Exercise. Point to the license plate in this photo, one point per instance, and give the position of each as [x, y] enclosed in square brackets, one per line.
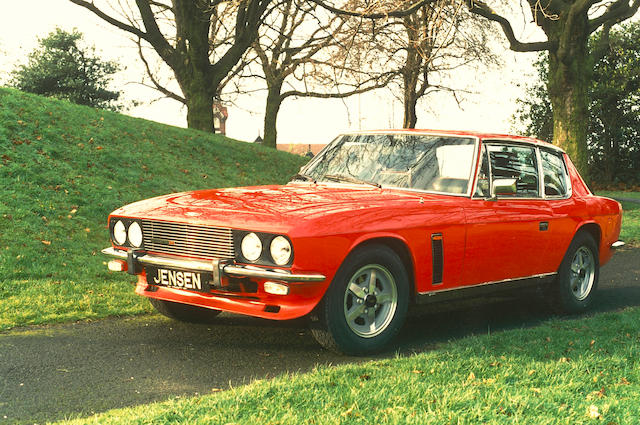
[180, 279]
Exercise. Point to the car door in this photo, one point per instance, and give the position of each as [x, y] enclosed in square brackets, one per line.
[558, 192]
[507, 232]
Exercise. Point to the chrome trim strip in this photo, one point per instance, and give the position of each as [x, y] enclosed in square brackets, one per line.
[530, 142]
[541, 190]
[535, 276]
[237, 270]
[617, 244]
[155, 260]
[212, 266]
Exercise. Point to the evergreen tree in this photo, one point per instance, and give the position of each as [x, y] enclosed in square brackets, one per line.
[60, 67]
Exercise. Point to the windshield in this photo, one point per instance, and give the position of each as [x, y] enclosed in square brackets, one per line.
[427, 162]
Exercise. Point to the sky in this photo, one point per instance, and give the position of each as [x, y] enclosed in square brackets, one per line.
[489, 107]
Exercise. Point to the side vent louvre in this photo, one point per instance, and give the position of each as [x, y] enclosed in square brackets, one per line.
[437, 256]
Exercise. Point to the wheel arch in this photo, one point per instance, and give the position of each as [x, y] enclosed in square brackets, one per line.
[593, 229]
[401, 249]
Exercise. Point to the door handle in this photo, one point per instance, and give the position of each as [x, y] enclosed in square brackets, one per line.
[544, 226]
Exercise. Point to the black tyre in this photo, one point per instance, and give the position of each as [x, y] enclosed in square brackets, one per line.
[578, 275]
[366, 304]
[184, 312]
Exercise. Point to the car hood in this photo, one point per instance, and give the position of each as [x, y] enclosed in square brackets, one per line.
[269, 208]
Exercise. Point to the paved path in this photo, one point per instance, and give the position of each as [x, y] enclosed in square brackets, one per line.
[60, 371]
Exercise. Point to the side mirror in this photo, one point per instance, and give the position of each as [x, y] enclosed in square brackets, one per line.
[504, 187]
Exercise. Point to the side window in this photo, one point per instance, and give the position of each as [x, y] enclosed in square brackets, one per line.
[555, 174]
[517, 165]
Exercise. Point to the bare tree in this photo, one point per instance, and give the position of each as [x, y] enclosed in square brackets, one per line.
[421, 48]
[438, 39]
[200, 40]
[304, 51]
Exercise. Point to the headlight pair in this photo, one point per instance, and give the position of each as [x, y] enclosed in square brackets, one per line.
[133, 234]
[279, 248]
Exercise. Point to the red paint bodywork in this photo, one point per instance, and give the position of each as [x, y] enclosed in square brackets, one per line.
[484, 241]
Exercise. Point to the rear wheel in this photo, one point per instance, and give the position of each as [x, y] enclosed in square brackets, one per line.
[578, 275]
[366, 304]
[184, 312]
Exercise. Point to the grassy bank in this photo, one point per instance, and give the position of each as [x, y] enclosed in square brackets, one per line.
[63, 168]
[580, 371]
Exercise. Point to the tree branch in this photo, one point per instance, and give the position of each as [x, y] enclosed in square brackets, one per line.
[397, 13]
[156, 84]
[382, 82]
[90, 6]
[154, 36]
[481, 8]
[616, 12]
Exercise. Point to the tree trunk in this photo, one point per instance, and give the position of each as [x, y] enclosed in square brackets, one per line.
[410, 96]
[271, 114]
[200, 110]
[569, 76]
[410, 75]
[410, 117]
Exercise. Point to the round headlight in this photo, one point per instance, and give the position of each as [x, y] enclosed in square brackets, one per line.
[135, 234]
[251, 247]
[120, 233]
[280, 250]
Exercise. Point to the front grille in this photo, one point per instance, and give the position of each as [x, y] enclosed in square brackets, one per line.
[187, 239]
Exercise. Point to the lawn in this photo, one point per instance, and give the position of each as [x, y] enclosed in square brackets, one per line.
[64, 168]
[630, 232]
[619, 194]
[581, 371]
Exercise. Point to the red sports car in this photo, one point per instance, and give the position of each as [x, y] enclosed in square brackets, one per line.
[375, 222]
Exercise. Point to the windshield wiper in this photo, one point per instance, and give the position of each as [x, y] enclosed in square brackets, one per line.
[304, 177]
[349, 179]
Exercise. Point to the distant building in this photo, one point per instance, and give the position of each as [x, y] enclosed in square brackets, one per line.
[220, 115]
[258, 140]
[309, 150]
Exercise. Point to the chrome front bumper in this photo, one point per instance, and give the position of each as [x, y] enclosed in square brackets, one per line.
[217, 268]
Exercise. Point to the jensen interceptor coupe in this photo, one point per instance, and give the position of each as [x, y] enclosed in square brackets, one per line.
[375, 222]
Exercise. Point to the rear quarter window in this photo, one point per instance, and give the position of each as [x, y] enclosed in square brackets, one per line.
[555, 174]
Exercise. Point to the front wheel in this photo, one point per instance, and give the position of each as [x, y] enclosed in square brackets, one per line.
[578, 275]
[366, 304]
[184, 312]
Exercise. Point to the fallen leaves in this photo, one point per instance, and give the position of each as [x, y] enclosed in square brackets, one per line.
[593, 412]
[46, 242]
[597, 394]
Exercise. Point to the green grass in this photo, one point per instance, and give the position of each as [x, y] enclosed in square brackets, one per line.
[64, 168]
[618, 194]
[583, 371]
[630, 231]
